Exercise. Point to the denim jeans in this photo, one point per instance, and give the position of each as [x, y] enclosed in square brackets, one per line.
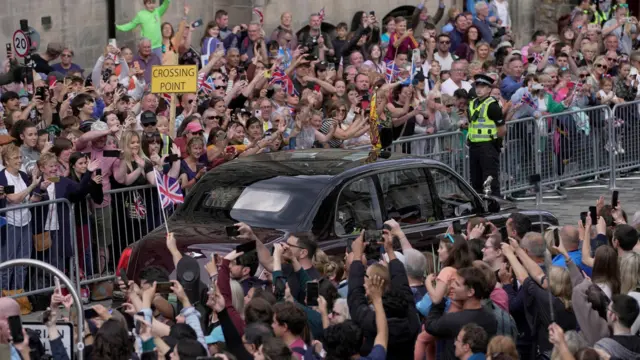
[16, 244]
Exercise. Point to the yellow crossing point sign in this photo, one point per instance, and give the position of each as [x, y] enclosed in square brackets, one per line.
[174, 79]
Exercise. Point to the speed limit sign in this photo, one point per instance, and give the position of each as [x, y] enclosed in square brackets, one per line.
[20, 43]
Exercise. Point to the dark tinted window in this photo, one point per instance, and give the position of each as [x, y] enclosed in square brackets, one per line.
[406, 195]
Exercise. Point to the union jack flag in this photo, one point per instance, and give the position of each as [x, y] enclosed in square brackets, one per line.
[321, 15]
[391, 72]
[528, 100]
[168, 189]
[280, 77]
[167, 98]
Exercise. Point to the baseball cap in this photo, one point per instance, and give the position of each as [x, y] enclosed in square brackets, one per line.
[194, 126]
[148, 117]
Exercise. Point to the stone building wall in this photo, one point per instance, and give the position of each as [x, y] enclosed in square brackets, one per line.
[83, 23]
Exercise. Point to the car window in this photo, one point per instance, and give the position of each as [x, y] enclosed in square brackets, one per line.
[406, 196]
[356, 208]
[455, 198]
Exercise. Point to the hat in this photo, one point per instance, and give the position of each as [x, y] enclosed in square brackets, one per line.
[482, 79]
[6, 139]
[148, 117]
[321, 66]
[9, 95]
[216, 336]
[194, 126]
[516, 52]
[58, 75]
[55, 48]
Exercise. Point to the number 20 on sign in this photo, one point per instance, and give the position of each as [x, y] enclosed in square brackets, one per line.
[178, 79]
[20, 43]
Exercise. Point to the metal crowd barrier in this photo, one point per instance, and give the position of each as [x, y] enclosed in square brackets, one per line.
[447, 147]
[574, 149]
[85, 237]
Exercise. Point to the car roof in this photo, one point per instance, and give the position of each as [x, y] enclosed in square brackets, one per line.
[321, 163]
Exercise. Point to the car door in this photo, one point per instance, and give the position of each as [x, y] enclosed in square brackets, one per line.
[406, 197]
[454, 199]
[357, 209]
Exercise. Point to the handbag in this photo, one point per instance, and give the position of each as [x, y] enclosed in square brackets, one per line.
[42, 241]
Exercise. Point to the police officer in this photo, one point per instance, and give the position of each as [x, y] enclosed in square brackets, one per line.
[486, 130]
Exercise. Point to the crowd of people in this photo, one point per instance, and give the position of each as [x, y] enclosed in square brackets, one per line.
[94, 139]
[570, 292]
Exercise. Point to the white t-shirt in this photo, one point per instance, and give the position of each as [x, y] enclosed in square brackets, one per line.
[18, 218]
[445, 62]
[503, 12]
[449, 87]
[52, 217]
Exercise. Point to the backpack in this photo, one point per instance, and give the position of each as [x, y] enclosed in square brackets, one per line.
[506, 324]
[307, 353]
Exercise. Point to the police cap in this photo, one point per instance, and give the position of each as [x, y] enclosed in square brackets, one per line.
[482, 79]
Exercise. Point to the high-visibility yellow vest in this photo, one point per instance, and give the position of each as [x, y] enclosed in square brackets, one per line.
[601, 17]
[481, 128]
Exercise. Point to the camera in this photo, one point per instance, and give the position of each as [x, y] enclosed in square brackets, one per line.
[311, 44]
[106, 75]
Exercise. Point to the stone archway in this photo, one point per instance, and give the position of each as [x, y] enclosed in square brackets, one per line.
[324, 27]
[405, 11]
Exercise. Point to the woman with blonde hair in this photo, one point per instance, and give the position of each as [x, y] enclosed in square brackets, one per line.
[140, 208]
[630, 273]
[502, 345]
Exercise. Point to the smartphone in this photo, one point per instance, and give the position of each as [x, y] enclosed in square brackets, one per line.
[280, 287]
[196, 23]
[614, 199]
[313, 289]
[9, 49]
[457, 228]
[232, 230]
[9, 189]
[164, 287]
[41, 92]
[365, 97]
[57, 282]
[372, 13]
[556, 237]
[373, 236]
[331, 66]
[15, 327]
[90, 314]
[98, 171]
[594, 214]
[111, 153]
[583, 217]
[112, 42]
[243, 76]
[416, 55]
[171, 158]
[246, 247]
[123, 277]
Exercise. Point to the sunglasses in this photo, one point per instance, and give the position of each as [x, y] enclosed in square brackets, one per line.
[200, 133]
[149, 124]
[612, 59]
[601, 66]
[582, 76]
[445, 42]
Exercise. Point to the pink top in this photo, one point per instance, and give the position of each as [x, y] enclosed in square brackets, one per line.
[298, 344]
[500, 298]
[109, 166]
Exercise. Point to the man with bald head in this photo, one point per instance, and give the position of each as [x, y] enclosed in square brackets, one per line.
[570, 238]
[9, 307]
[146, 58]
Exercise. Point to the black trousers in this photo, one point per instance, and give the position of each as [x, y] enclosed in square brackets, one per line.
[484, 161]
